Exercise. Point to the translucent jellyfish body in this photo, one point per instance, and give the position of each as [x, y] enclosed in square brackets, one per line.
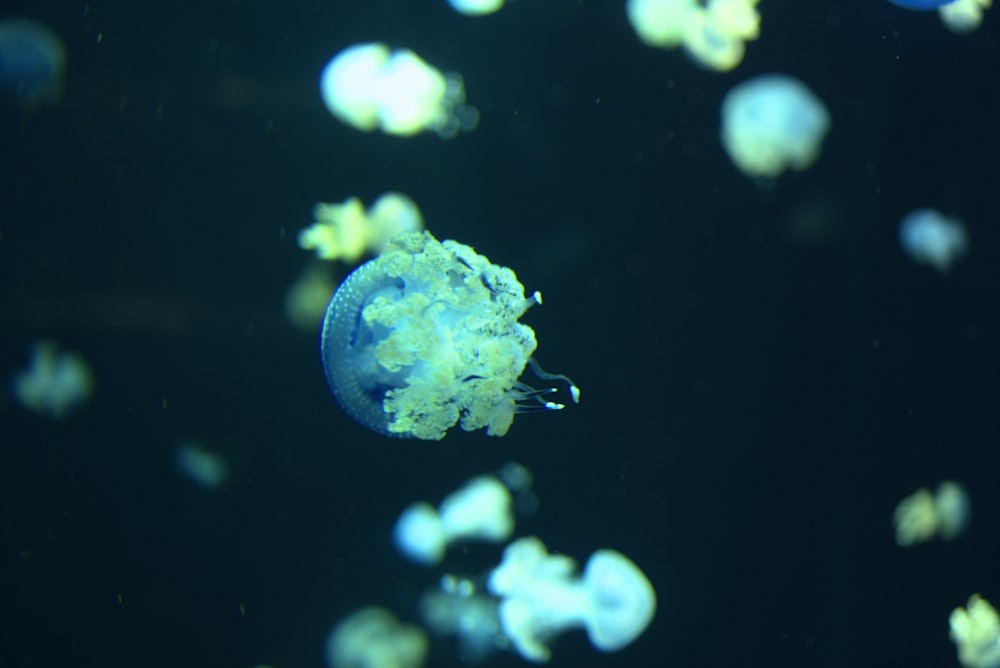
[479, 511]
[372, 638]
[54, 384]
[772, 123]
[346, 231]
[963, 16]
[713, 33]
[476, 7]
[975, 630]
[32, 59]
[369, 87]
[426, 336]
[929, 237]
[540, 598]
[923, 516]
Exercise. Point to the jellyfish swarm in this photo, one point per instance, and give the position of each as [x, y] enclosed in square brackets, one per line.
[771, 123]
[368, 87]
[426, 336]
[32, 59]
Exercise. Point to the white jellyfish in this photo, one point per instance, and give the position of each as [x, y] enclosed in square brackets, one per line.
[369, 87]
[32, 60]
[481, 510]
[975, 629]
[426, 336]
[929, 237]
[372, 638]
[772, 123]
[55, 384]
[347, 232]
[613, 600]
[714, 33]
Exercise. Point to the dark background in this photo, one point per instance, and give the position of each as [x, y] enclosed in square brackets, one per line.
[755, 400]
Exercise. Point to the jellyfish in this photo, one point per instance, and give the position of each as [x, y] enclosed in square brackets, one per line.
[929, 237]
[713, 34]
[372, 638]
[367, 86]
[32, 59]
[457, 607]
[975, 629]
[426, 336]
[476, 7]
[613, 600]
[481, 510]
[963, 16]
[922, 516]
[55, 384]
[203, 467]
[921, 5]
[347, 232]
[772, 123]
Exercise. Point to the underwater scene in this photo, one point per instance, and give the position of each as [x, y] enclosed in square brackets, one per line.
[420, 333]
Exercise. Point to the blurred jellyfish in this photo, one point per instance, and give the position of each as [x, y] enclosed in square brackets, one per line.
[307, 297]
[372, 638]
[426, 336]
[772, 123]
[55, 384]
[481, 510]
[920, 5]
[923, 516]
[32, 59]
[368, 87]
[476, 7]
[613, 600]
[929, 237]
[347, 232]
[714, 33]
[963, 16]
[206, 469]
[975, 629]
[457, 608]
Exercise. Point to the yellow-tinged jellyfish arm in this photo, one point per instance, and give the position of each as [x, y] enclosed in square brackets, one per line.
[426, 336]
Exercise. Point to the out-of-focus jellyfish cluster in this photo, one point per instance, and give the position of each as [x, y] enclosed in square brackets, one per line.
[929, 237]
[480, 511]
[713, 33]
[530, 597]
[772, 123]
[347, 232]
[923, 516]
[32, 62]
[426, 336]
[369, 87]
[55, 383]
[959, 16]
[975, 630]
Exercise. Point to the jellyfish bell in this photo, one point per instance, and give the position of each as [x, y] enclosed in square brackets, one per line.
[32, 60]
[426, 336]
[921, 5]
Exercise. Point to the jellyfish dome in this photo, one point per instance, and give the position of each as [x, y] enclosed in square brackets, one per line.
[921, 5]
[772, 123]
[32, 59]
[426, 336]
